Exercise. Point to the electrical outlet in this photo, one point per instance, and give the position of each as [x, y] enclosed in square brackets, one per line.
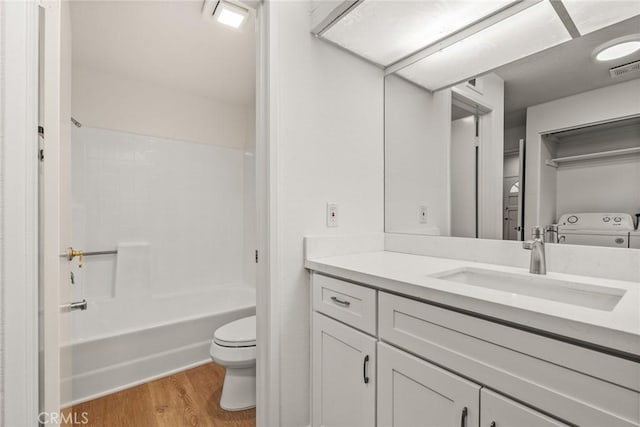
[332, 214]
[422, 214]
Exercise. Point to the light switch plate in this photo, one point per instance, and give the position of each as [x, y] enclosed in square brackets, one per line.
[422, 214]
[332, 214]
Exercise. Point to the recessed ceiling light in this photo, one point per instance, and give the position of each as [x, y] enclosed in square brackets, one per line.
[230, 14]
[617, 48]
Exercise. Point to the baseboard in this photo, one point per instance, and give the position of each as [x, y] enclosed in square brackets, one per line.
[115, 378]
[108, 365]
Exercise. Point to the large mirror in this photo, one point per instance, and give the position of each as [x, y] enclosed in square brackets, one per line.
[487, 138]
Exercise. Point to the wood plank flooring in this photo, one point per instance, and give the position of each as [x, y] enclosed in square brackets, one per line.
[189, 398]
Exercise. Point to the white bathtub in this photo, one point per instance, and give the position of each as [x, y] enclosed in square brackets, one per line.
[121, 344]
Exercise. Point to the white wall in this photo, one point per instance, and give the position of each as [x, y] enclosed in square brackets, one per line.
[327, 133]
[177, 205]
[511, 165]
[601, 185]
[512, 137]
[417, 136]
[2, 208]
[463, 177]
[109, 101]
[598, 105]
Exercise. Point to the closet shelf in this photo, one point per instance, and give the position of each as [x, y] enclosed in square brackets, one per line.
[613, 153]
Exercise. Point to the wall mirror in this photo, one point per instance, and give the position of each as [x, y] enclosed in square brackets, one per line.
[503, 115]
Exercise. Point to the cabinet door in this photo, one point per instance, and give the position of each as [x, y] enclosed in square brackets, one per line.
[412, 392]
[498, 411]
[344, 367]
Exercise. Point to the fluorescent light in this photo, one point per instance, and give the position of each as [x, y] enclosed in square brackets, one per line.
[530, 31]
[386, 31]
[618, 50]
[230, 14]
[590, 16]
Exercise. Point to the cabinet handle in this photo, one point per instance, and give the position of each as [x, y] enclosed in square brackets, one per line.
[364, 369]
[340, 302]
[493, 424]
[463, 418]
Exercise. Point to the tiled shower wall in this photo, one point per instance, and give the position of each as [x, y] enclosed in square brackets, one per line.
[174, 209]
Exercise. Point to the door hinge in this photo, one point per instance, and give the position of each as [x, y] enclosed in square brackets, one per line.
[256, 256]
[40, 143]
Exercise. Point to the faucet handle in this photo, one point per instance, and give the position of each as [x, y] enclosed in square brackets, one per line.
[537, 232]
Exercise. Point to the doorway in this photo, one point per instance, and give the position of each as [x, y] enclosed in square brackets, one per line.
[139, 176]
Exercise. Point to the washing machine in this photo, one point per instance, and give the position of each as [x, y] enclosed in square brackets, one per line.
[595, 229]
[634, 239]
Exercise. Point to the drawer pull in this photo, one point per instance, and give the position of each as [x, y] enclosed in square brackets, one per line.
[364, 369]
[340, 302]
[463, 418]
[493, 424]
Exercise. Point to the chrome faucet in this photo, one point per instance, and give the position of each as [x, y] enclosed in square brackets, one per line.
[536, 246]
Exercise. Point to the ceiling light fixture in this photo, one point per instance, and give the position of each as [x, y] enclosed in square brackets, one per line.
[387, 31]
[590, 16]
[230, 14]
[527, 32]
[618, 48]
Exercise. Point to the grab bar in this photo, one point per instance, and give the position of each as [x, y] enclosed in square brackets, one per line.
[72, 253]
[115, 251]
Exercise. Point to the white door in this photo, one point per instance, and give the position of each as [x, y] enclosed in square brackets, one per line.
[463, 178]
[412, 392]
[498, 411]
[511, 191]
[55, 202]
[344, 368]
[522, 157]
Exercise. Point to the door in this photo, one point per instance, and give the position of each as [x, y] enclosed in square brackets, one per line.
[464, 173]
[343, 369]
[511, 193]
[498, 411]
[522, 155]
[54, 206]
[413, 392]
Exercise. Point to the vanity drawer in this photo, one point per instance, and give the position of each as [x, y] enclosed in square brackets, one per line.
[575, 384]
[352, 304]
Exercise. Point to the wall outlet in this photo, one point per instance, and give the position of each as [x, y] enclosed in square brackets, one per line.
[422, 214]
[332, 214]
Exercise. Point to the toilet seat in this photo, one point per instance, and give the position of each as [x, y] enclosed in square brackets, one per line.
[239, 333]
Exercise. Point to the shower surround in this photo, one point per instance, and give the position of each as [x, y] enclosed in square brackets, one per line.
[180, 215]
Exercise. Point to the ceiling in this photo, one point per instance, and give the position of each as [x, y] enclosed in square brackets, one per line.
[563, 70]
[168, 43]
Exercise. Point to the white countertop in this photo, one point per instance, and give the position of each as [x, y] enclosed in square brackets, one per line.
[410, 275]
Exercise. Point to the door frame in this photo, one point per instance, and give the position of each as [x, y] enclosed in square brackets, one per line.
[19, 215]
[267, 306]
[19, 205]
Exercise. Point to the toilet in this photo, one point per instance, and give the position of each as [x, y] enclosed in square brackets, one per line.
[234, 347]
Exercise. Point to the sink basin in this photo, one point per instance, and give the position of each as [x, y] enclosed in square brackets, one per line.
[580, 294]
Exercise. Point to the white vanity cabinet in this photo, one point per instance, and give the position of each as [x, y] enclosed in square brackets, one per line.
[437, 366]
[412, 392]
[344, 381]
[498, 411]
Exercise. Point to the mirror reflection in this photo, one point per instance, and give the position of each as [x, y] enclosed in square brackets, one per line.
[549, 139]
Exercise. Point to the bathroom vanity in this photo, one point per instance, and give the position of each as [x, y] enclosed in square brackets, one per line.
[408, 340]
[440, 322]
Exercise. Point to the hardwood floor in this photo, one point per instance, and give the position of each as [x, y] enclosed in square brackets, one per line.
[189, 398]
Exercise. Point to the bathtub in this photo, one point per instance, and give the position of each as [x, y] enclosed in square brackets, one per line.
[122, 343]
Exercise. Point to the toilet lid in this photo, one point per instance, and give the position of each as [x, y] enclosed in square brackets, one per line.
[239, 333]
